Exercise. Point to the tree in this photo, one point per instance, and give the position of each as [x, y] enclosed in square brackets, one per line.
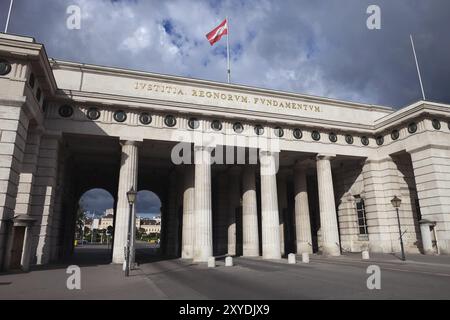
[79, 224]
[140, 233]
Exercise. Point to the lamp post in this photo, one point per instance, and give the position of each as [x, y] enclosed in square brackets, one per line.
[396, 203]
[131, 196]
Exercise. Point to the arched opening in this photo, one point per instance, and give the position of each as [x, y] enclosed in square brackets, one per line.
[148, 224]
[94, 227]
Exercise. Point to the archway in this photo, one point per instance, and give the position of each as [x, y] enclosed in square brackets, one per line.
[148, 224]
[94, 227]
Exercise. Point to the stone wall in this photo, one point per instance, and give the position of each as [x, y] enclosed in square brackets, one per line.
[43, 198]
[348, 183]
[432, 172]
[13, 135]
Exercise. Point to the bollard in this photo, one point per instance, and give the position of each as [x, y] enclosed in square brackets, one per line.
[291, 258]
[365, 255]
[305, 257]
[211, 262]
[228, 262]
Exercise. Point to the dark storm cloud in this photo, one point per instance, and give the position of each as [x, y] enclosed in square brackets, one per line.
[312, 47]
[147, 203]
[97, 200]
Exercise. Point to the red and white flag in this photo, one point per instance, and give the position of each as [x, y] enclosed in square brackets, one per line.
[218, 32]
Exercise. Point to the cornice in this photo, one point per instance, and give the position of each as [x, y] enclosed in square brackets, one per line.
[200, 109]
[428, 146]
[402, 116]
[26, 48]
[415, 110]
[141, 75]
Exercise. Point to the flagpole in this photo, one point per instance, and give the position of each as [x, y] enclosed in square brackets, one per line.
[228, 51]
[417, 66]
[9, 15]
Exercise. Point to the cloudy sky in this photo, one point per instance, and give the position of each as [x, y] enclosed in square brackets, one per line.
[98, 200]
[318, 47]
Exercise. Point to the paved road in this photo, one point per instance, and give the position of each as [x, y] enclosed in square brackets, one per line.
[324, 278]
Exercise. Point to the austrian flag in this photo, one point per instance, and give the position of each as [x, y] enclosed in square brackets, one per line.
[218, 32]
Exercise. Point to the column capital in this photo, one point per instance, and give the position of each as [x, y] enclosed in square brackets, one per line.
[267, 152]
[130, 142]
[325, 156]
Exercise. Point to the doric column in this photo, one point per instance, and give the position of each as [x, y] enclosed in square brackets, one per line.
[328, 218]
[302, 219]
[270, 223]
[172, 216]
[282, 207]
[221, 215]
[203, 246]
[234, 198]
[250, 238]
[127, 180]
[188, 227]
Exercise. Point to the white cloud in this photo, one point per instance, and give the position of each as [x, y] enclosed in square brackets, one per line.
[140, 40]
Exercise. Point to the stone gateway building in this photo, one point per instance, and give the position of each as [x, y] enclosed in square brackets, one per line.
[239, 170]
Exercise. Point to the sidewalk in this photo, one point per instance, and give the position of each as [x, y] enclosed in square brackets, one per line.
[393, 257]
[414, 262]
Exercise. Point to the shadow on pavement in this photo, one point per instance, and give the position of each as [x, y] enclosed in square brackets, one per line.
[97, 255]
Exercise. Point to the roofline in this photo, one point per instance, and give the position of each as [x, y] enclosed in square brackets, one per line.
[195, 81]
[39, 54]
[413, 110]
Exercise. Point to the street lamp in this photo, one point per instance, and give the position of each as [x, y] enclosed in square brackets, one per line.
[131, 196]
[396, 204]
